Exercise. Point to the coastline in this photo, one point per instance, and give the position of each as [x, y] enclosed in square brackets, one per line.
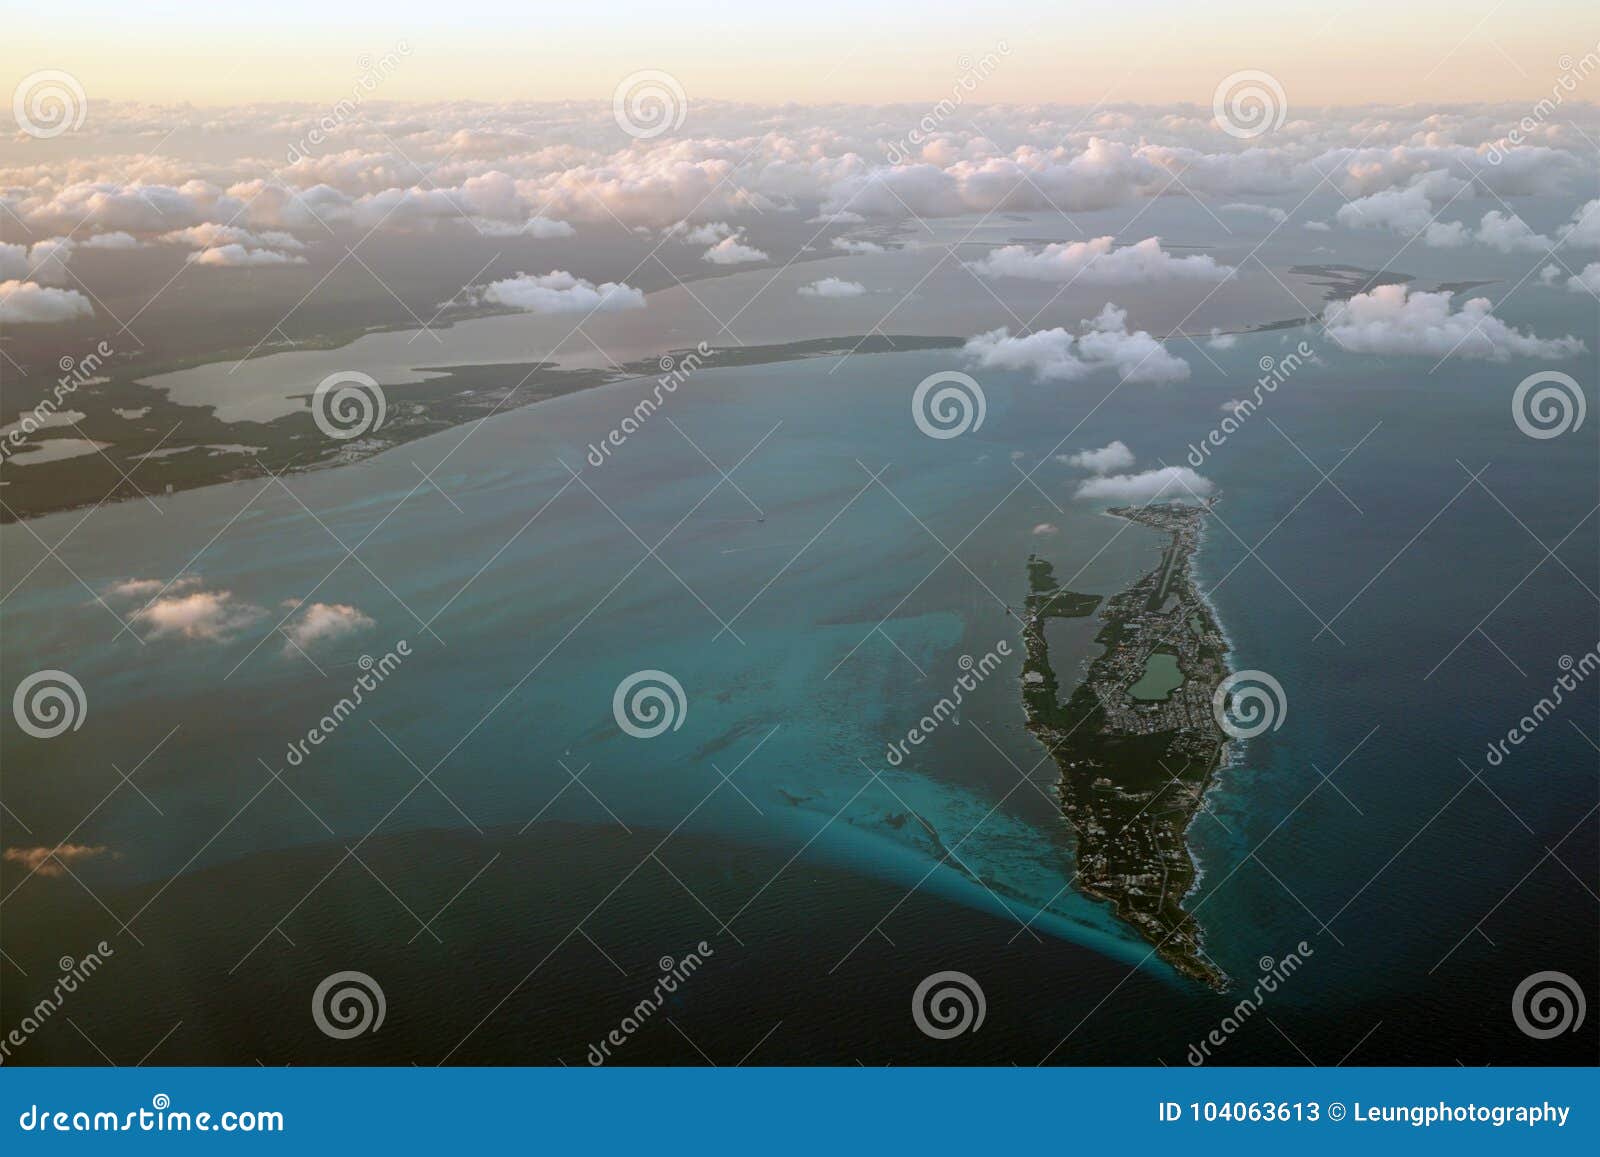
[1120, 755]
[444, 398]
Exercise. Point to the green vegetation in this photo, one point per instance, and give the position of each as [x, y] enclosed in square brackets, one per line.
[1134, 767]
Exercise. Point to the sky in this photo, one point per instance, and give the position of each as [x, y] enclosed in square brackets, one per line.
[1145, 51]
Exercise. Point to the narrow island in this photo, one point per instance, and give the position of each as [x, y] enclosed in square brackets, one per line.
[1136, 742]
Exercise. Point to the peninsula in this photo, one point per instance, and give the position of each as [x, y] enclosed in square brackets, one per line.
[1136, 742]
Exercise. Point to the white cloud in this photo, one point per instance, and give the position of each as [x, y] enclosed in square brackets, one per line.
[1222, 341]
[1588, 280]
[210, 616]
[1391, 320]
[561, 292]
[138, 588]
[1112, 456]
[320, 622]
[1405, 211]
[27, 302]
[1099, 262]
[208, 234]
[1272, 214]
[708, 233]
[854, 245]
[832, 287]
[1167, 484]
[1550, 274]
[1046, 530]
[1585, 227]
[731, 251]
[1318, 226]
[1508, 233]
[238, 257]
[539, 228]
[1054, 355]
[117, 240]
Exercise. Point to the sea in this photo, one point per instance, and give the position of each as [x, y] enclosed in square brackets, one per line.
[811, 572]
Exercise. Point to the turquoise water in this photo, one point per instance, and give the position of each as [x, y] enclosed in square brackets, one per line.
[526, 598]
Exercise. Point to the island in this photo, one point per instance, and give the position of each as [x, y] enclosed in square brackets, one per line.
[1136, 742]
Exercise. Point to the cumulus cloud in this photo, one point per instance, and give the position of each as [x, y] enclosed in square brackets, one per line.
[1221, 341]
[53, 862]
[832, 287]
[238, 257]
[708, 233]
[117, 240]
[1585, 227]
[1392, 320]
[1272, 214]
[1587, 281]
[1407, 210]
[732, 251]
[539, 228]
[206, 235]
[1046, 530]
[1054, 355]
[560, 292]
[209, 616]
[1113, 456]
[320, 622]
[1509, 233]
[853, 245]
[29, 303]
[1167, 484]
[143, 588]
[1099, 262]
